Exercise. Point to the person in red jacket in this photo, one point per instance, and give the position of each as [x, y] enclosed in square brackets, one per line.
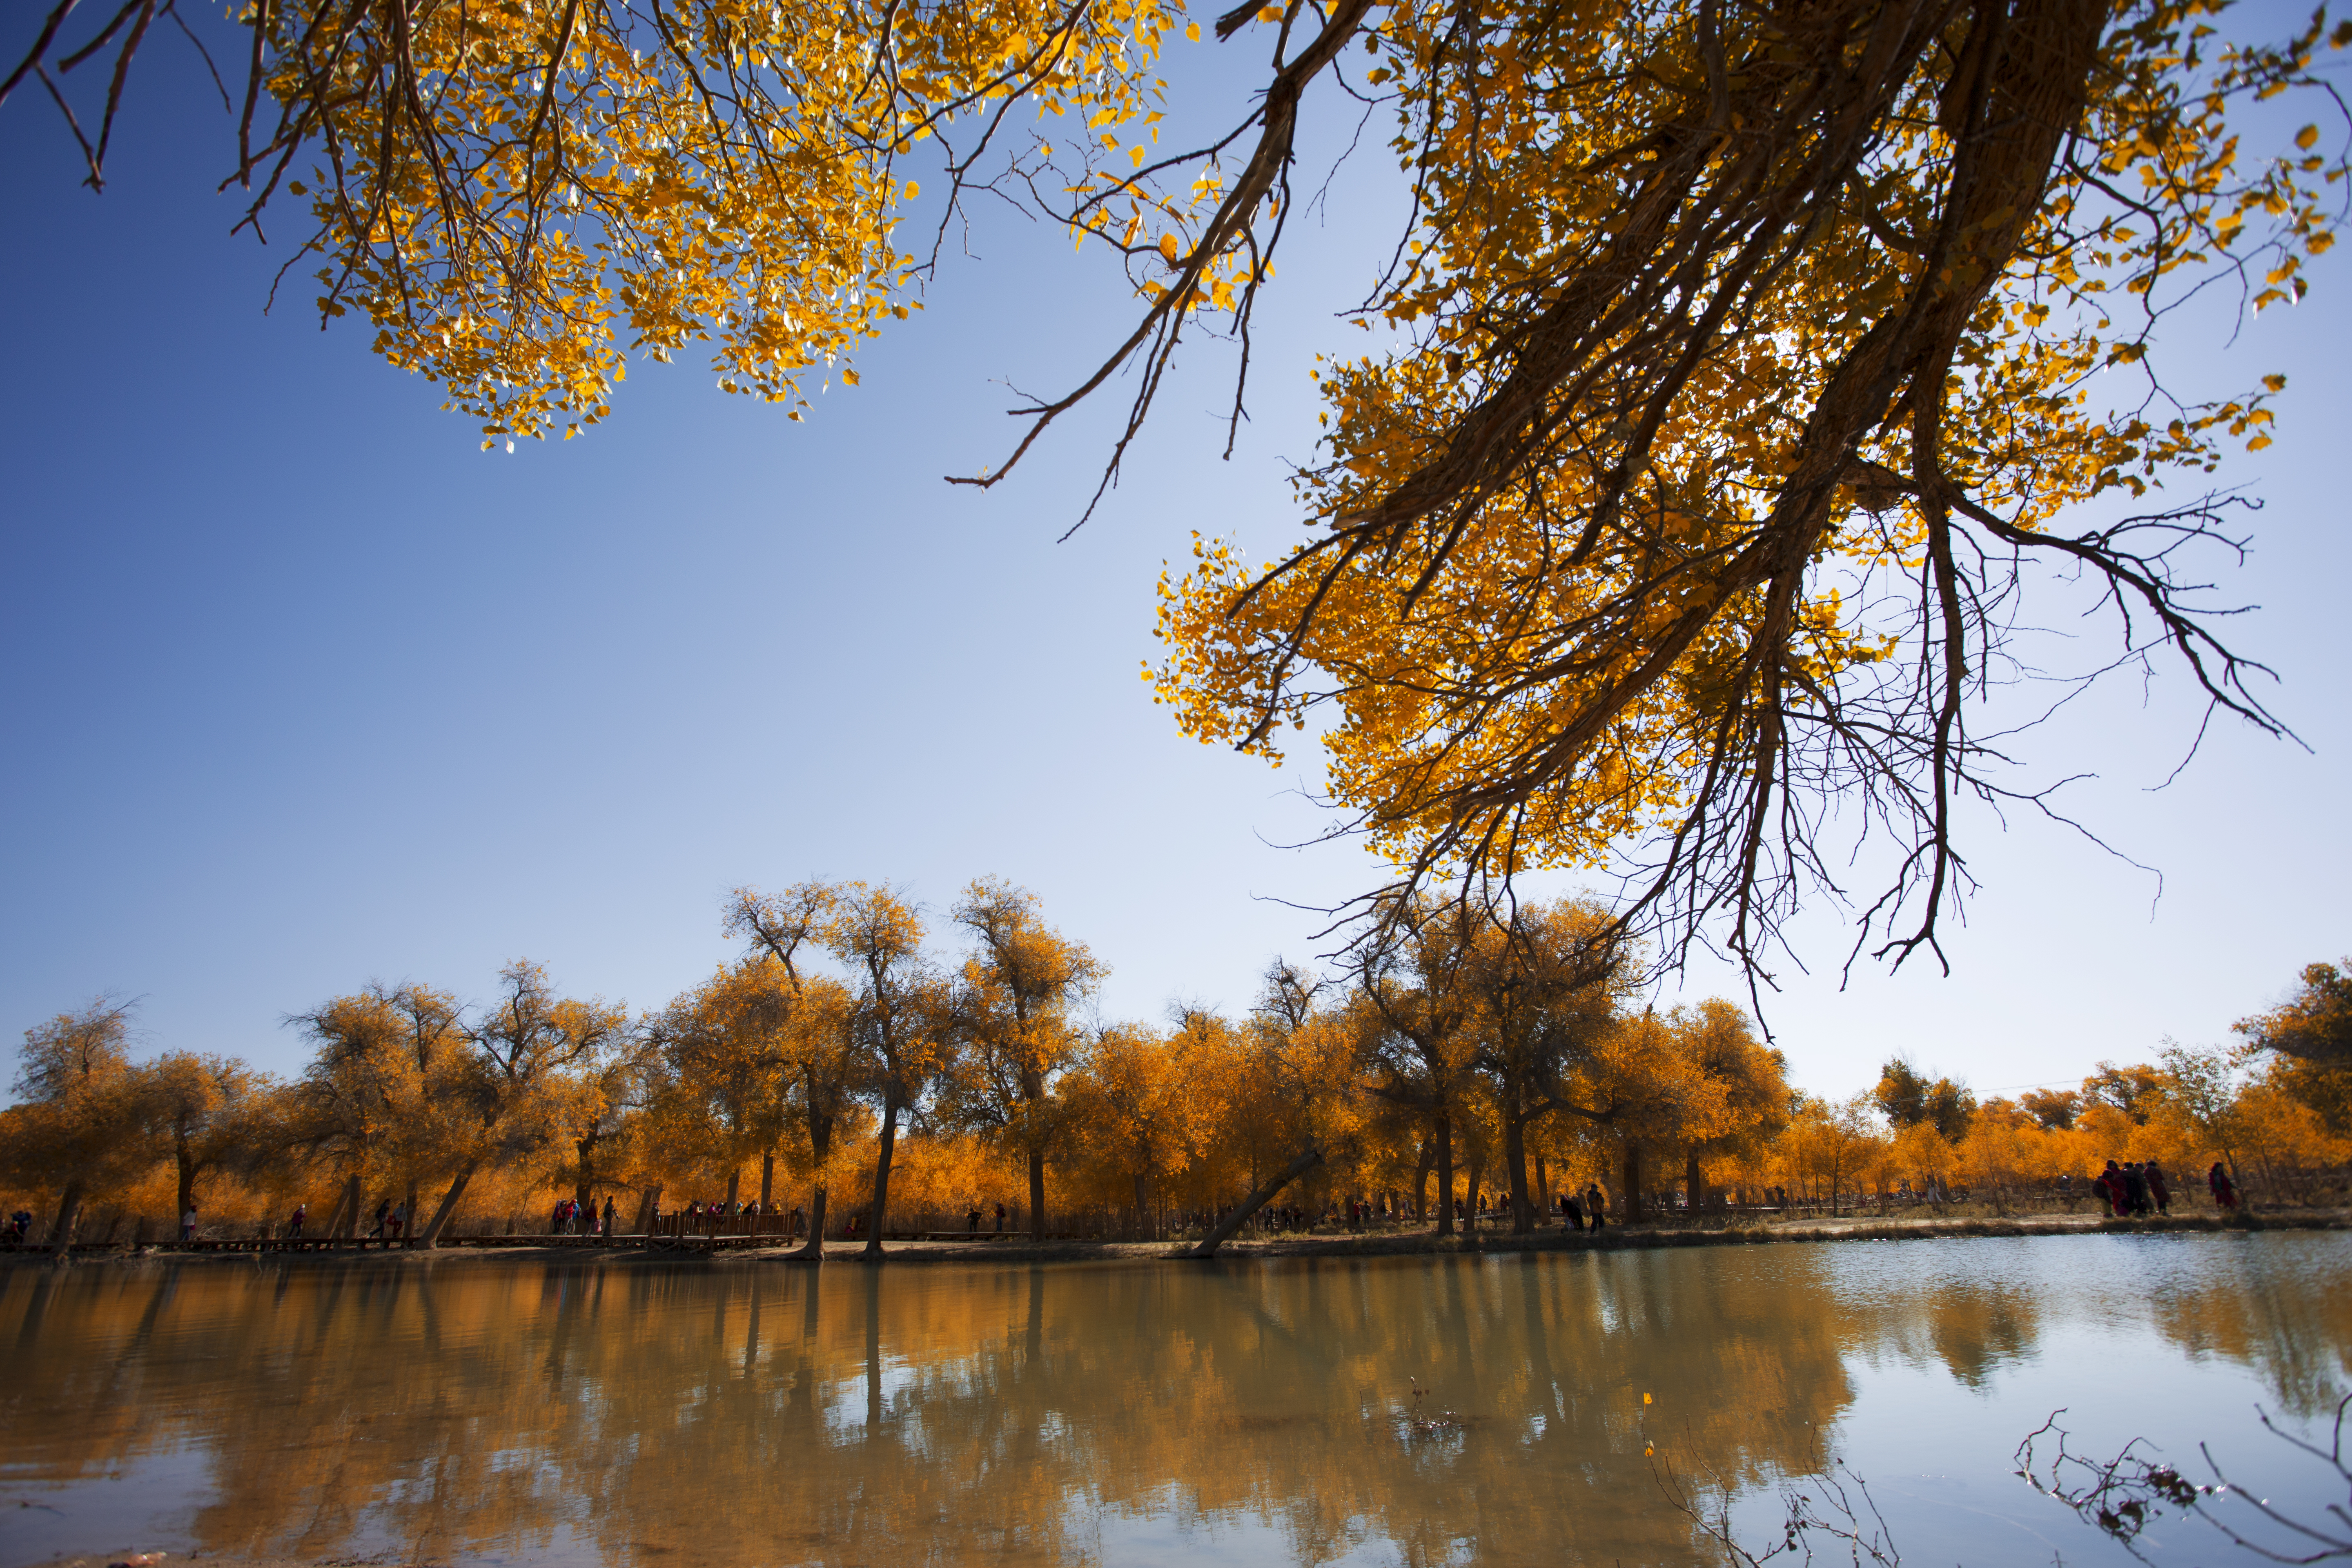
[2225, 1192]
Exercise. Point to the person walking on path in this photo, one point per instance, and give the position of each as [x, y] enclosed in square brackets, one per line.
[608, 1216]
[999, 1219]
[2225, 1192]
[1571, 1211]
[188, 1224]
[301, 1217]
[2110, 1187]
[1595, 1204]
[2158, 1189]
[2134, 1188]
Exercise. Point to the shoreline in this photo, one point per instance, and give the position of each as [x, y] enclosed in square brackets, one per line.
[632, 1253]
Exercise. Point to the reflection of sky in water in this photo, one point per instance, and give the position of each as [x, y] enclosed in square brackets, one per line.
[671, 1417]
[851, 1404]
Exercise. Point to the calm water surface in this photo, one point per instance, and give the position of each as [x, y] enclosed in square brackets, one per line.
[675, 1415]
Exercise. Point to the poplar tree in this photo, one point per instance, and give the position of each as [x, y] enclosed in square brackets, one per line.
[1020, 987]
[809, 1016]
[76, 1130]
[904, 1019]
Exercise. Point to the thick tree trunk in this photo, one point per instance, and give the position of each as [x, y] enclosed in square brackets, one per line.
[408, 1215]
[813, 1247]
[1142, 1212]
[1514, 1165]
[350, 1208]
[448, 1208]
[734, 1185]
[1470, 1195]
[1694, 1196]
[820, 1150]
[1631, 1214]
[881, 1209]
[187, 1184]
[1444, 1138]
[69, 1215]
[1037, 1194]
[1543, 1190]
[1421, 1180]
[645, 1203]
[767, 1183]
[1257, 1200]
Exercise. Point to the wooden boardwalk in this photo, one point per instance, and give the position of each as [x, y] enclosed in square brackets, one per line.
[690, 1242]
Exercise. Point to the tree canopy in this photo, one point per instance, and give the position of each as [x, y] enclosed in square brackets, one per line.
[844, 1078]
[2313, 1026]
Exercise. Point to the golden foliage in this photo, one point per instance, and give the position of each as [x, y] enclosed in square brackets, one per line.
[517, 194]
[1511, 1061]
[1739, 347]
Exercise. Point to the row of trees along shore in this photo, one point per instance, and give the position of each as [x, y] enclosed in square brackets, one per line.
[843, 1065]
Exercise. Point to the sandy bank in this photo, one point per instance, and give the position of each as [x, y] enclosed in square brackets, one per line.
[229, 1559]
[628, 1252]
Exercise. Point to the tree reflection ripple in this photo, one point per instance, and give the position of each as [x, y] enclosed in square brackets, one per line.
[677, 1414]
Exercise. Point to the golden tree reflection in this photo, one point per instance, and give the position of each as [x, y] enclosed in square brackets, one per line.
[675, 1414]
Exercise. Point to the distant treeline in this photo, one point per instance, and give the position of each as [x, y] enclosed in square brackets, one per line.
[1459, 1061]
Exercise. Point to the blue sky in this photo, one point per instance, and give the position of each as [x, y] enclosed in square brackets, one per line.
[298, 688]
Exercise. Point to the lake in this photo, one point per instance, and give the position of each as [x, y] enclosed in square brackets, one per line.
[676, 1415]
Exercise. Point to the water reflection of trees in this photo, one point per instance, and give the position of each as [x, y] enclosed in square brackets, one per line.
[2288, 1315]
[674, 1415]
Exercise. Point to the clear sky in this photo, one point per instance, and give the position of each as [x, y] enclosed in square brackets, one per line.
[297, 688]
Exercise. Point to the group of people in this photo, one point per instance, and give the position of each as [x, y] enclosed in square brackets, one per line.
[1587, 1213]
[391, 1222]
[2140, 1187]
[573, 1218]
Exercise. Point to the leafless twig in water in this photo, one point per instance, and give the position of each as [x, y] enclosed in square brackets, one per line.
[1444, 1421]
[2127, 1493]
[1820, 1509]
